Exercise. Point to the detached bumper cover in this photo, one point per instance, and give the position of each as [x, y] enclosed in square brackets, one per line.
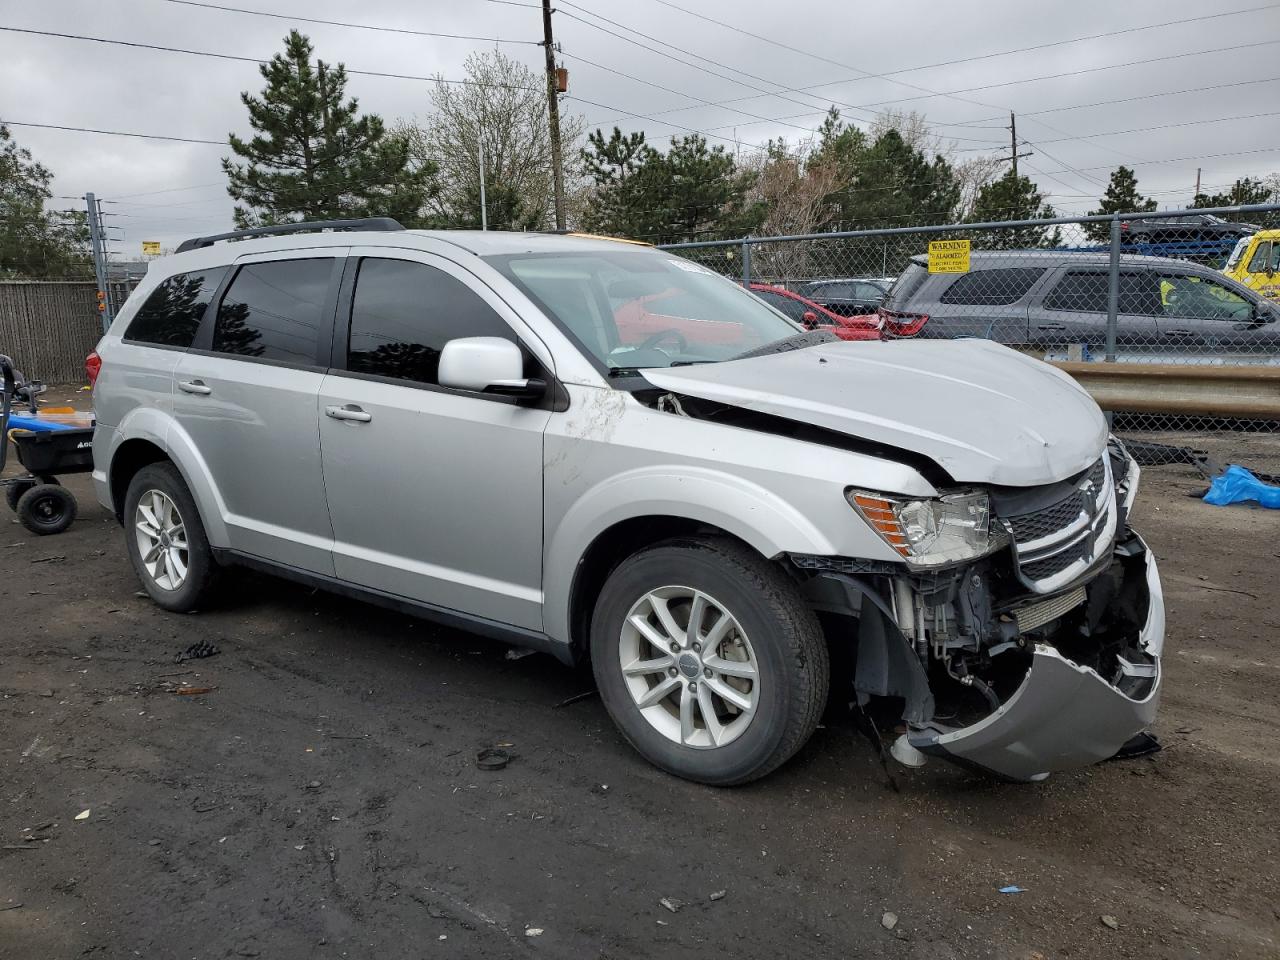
[1063, 715]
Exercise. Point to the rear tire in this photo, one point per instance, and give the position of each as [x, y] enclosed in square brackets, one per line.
[13, 492]
[166, 540]
[762, 680]
[46, 508]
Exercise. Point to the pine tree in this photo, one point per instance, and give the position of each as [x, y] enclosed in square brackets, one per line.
[1122, 196]
[691, 192]
[313, 156]
[1243, 191]
[1013, 198]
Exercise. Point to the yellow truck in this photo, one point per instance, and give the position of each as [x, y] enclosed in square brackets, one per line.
[1255, 262]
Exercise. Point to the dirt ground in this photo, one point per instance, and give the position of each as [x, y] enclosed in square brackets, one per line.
[322, 800]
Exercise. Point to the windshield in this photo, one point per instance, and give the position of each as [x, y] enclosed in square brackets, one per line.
[634, 309]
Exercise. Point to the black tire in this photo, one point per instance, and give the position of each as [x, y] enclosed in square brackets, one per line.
[785, 636]
[202, 572]
[14, 490]
[46, 509]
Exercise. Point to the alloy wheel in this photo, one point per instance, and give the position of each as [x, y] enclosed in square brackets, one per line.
[689, 667]
[162, 540]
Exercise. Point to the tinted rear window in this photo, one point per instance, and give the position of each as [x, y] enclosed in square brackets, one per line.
[273, 310]
[991, 288]
[907, 284]
[171, 315]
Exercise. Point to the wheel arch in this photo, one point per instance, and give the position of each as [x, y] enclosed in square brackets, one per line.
[151, 437]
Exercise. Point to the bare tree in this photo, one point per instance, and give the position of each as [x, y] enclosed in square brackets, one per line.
[795, 190]
[503, 106]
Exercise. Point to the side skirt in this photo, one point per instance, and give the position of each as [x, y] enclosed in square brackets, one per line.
[493, 629]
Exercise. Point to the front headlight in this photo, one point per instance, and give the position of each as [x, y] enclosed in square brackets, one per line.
[930, 533]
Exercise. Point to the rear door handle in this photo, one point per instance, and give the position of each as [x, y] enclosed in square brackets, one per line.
[1052, 326]
[197, 387]
[1181, 333]
[348, 412]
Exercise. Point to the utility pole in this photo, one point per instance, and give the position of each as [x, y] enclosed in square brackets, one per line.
[484, 208]
[1197, 193]
[553, 112]
[98, 247]
[1013, 142]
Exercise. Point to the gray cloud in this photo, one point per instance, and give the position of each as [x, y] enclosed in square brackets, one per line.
[75, 83]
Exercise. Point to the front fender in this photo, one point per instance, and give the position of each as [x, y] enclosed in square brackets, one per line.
[746, 510]
[161, 429]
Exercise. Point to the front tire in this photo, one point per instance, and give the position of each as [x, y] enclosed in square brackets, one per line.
[166, 539]
[708, 660]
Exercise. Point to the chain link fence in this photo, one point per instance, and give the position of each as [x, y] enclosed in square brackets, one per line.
[1196, 288]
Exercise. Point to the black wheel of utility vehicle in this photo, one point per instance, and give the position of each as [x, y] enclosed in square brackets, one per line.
[14, 490]
[166, 539]
[708, 660]
[46, 508]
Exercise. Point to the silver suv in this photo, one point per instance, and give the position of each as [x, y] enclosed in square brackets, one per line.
[598, 449]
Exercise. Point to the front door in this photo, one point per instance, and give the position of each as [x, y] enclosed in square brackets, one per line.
[435, 494]
[246, 395]
[1208, 319]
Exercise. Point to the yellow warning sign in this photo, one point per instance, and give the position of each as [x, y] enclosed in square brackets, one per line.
[150, 248]
[948, 256]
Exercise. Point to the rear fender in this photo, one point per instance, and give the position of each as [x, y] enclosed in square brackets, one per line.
[160, 429]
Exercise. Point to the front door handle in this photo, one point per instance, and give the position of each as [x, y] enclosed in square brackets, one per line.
[1052, 326]
[348, 412]
[197, 387]
[1180, 333]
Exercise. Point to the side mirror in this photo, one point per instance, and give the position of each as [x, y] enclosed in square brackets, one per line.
[487, 365]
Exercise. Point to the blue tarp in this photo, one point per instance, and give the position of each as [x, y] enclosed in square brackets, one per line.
[1236, 485]
[20, 421]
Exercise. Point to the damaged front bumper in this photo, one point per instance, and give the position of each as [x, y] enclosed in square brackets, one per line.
[1063, 715]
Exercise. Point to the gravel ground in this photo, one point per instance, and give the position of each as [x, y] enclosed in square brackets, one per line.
[322, 799]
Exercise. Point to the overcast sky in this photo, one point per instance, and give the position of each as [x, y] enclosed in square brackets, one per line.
[839, 48]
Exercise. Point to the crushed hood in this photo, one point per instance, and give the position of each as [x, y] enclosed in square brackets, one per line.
[983, 412]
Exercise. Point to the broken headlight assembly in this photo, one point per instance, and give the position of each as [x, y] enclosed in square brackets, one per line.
[930, 533]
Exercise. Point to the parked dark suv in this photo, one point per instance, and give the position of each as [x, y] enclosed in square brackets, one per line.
[1055, 302]
[847, 298]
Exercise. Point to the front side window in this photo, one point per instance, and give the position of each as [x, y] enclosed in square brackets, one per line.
[171, 315]
[992, 288]
[644, 308]
[403, 313]
[274, 310]
[1191, 297]
[1264, 258]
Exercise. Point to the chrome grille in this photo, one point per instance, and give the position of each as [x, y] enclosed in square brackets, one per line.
[1058, 543]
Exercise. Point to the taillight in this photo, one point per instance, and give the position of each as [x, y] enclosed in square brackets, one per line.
[898, 324]
[93, 366]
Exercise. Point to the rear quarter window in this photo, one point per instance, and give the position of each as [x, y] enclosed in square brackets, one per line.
[992, 288]
[907, 284]
[171, 315]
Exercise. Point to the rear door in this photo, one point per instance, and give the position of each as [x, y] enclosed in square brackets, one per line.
[435, 493]
[246, 396]
[988, 303]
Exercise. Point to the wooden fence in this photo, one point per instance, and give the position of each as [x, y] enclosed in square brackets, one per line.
[48, 327]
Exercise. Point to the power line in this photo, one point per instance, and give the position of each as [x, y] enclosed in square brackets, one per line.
[113, 133]
[353, 26]
[254, 60]
[688, 63]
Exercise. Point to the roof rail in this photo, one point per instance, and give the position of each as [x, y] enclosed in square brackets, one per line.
[305, 226]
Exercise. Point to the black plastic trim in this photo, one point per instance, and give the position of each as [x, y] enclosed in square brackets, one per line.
[371, 224]
[493, 629]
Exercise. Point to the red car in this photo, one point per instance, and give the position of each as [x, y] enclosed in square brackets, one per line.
[815, 316]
